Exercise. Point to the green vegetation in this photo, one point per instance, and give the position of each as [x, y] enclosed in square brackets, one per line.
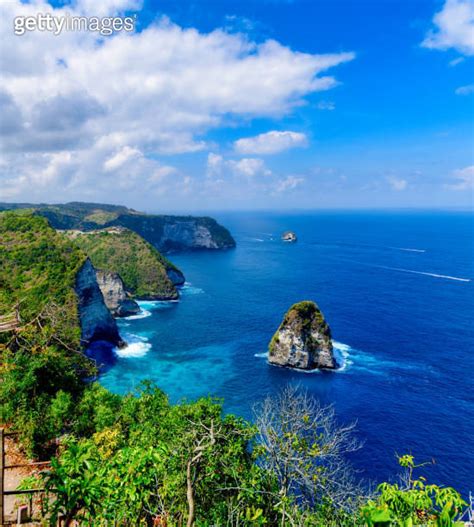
[140, 265]
[138, 460]
[41, 358]
[37, 274]
[91, 216]
[301, 316]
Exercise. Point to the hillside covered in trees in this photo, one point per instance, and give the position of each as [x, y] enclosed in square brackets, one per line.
[145, 272]
[165, 232]
[139, 460]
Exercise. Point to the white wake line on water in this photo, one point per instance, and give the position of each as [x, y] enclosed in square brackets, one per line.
[411, 271]
[408, 249]
[368, 246]
[435, 275]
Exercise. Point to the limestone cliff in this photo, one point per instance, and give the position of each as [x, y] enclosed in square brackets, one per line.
[303, 340]
[164, 232]
[177, 233]
[144, 271]
[96, 321]
[115, 296]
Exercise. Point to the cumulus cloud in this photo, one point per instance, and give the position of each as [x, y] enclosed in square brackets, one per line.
[116, 105]
[454, 28]
[106, 7]
[270, 142]
[465, 90]
[288, 183]
[117, 160]
[464, 179]
[397, 184]
[326, 105]
[248, 166]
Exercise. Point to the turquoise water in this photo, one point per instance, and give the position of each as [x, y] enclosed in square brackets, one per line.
[397, 291]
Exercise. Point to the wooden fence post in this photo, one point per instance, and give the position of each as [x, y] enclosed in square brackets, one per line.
[2, 473]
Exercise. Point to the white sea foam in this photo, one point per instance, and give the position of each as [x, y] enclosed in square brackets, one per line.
[137, 346]
[144, 313]
[189, 289]
[341, 353]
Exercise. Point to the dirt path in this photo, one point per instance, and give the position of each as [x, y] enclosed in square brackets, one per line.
[12, 479]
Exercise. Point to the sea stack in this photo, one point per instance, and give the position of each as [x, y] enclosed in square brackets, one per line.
[289, 236]
[303, 340]
[115, 296]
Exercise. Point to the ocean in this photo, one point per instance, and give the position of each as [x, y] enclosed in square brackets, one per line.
[397, 291]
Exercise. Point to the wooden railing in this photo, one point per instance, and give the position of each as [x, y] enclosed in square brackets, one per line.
[4, 467]
[10, 322]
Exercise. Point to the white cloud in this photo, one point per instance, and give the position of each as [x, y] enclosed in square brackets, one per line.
[270, 142]
[106, 7]
[465, 90]
[289, 183]
[120, 158]
[456, 61]
[326, 105]
[249, 167]
[397, 184]
[464, 179]
[113, 105]
[454, 28]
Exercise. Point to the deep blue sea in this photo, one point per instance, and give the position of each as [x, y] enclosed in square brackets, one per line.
[396, 289]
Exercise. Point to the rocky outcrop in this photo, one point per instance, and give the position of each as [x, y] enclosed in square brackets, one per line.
[96, 321]
[303, 340]
[178, 233]
[289, 236]
[176, 276]
[115, 296]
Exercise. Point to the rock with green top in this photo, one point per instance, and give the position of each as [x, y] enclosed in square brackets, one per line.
[144, 271]
[303, 340]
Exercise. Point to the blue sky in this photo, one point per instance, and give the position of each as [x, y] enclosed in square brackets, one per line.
[213, 104]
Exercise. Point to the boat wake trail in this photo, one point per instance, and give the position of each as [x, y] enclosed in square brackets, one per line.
[434, 275]
[411, 271]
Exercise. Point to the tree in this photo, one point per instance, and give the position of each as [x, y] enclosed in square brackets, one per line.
[300, 442]
[414, 502]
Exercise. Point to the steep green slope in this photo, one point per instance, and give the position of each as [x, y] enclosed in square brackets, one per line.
[166, 233]
[142, 268]
[38, 268]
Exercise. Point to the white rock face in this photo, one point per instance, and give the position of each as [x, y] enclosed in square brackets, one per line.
[303, 340]
[188, 234]
[115, 296]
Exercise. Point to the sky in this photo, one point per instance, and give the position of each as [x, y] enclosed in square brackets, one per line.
[236, 105]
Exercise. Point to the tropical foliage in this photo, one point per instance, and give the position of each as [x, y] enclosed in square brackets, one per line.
[140, 265]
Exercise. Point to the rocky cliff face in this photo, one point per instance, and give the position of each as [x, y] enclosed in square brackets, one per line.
[178, 233]
[115, 296]
[166, 233]
[96, 321]
[176, 276]
[303, 340]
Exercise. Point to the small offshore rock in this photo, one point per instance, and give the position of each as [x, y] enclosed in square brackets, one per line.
[289, 236]
[303, 340]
